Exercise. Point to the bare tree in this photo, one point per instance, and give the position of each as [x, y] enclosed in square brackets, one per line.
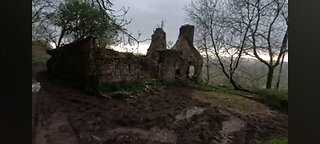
[280, 71]
[204, 39]
[237, 27]
[269, 34]
[38, 8]
[218, 21]
[202, 44]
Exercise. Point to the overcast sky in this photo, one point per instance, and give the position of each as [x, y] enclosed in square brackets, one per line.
[147, 14]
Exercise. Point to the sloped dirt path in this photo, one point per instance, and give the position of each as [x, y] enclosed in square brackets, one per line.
[249, 121]
[172, 116]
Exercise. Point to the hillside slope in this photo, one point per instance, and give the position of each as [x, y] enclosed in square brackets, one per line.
[172, 114]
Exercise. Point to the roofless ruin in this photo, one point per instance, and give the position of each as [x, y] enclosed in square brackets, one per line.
[83, 64]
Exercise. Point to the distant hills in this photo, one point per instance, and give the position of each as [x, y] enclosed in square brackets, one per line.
[251, 72]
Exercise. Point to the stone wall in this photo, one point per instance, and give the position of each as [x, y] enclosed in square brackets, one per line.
[120, 67]
[168, 64]
[158, 42]
[72, 62]
[191, 56]
[83, 64]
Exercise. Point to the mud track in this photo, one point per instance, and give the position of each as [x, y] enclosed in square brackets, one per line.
[64, 115]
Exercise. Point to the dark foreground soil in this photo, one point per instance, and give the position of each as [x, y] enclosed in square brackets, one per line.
[64, 115]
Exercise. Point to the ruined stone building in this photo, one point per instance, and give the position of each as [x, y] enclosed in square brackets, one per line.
[83, 64]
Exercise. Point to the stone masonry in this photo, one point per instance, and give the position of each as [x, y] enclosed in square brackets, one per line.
[84, 65]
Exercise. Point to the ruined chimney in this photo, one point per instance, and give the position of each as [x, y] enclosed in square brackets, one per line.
[187, 31]
[158, 41]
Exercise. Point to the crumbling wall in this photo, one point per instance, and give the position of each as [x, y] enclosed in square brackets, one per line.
[120, 67]
[83, 64]
[72, 62]
[191, 56]
[158, 42]
[168, 64]
[175, 62]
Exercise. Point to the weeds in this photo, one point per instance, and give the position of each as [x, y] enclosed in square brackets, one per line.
[132, 90]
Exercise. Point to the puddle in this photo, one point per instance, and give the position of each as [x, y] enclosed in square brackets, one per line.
[232, 125]
[153, 134]
[187, 114]
[35, 86]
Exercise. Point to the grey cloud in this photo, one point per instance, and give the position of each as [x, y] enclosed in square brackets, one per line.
[147, 14]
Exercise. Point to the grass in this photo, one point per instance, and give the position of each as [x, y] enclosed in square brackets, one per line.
[224, 89]
[228, 100]
[282, 140]
[274, 98]
[121, 90]
[39, 56]
[131, 90]
[277, 99]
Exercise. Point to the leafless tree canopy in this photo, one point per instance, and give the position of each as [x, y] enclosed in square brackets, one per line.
[230, 29]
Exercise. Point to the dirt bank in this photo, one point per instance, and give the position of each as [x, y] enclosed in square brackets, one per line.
[64, 115]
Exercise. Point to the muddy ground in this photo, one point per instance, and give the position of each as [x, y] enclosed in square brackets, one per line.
[174, 115]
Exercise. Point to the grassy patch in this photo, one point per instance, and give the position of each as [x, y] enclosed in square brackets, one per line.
[277, 99]
[121, 90]
[39, 56]
[224, 89]
[228, 100]
[131, 90]
[282, 140]
[203, 87]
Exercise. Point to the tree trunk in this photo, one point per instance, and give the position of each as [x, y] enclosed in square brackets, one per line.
[280, 70]
[208, 74]
[61, 36]
[269, 77]
[236, 86]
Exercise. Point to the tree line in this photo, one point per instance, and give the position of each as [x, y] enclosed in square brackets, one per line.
[64, 21]
[223, 27]
[241, 27]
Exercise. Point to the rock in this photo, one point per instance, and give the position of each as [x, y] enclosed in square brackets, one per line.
[35, 86]
[96, 138]
[187, 114]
